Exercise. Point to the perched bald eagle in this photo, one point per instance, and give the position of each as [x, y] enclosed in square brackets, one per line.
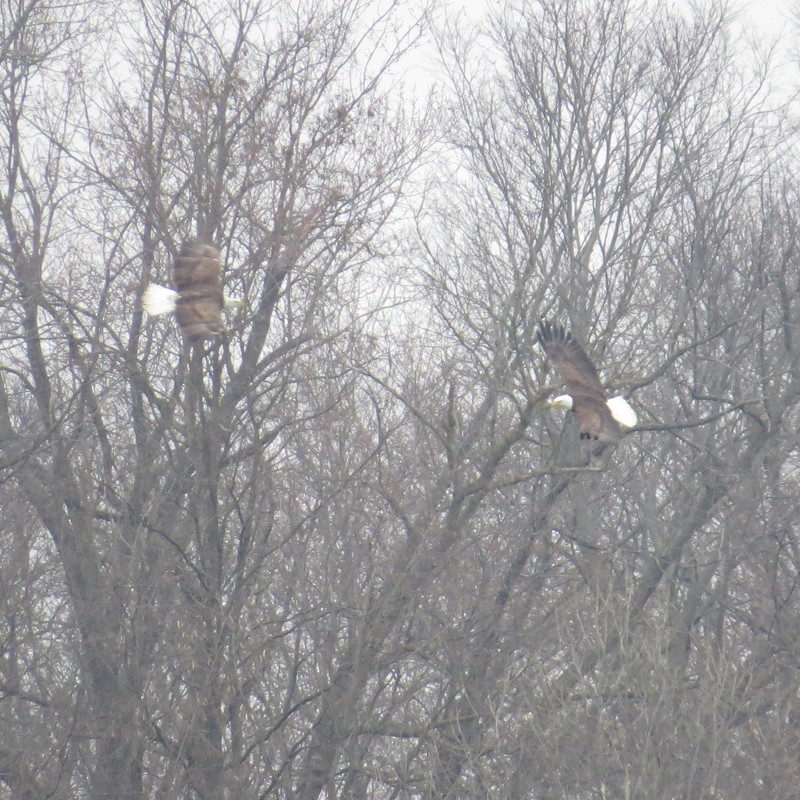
[600, 418]
[199, 299]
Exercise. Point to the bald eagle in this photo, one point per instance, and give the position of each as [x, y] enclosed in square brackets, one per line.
[600, 418]
[199, 299]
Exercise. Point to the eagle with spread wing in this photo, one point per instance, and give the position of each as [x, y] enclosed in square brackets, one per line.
[600, 418]
[197, 300]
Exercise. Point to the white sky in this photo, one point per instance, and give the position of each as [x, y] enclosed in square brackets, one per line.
[756, 20]
[769, 20]
[771, 16]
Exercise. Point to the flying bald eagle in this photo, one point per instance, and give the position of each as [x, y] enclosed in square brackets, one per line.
[600, 418]
[199, 299]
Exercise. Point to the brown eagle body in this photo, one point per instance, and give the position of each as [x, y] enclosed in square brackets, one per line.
[198, 308]
[589, 400]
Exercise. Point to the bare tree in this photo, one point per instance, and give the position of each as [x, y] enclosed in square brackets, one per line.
[607, 185]
[159, 469]
[345, 549]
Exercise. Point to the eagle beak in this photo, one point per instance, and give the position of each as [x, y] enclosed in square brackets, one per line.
[562, 401]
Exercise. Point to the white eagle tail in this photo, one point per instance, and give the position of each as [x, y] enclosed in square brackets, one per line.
[158, 300]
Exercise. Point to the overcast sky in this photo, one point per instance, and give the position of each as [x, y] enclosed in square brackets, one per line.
[764, 20]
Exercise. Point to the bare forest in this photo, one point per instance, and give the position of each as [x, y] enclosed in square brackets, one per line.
[346, 549]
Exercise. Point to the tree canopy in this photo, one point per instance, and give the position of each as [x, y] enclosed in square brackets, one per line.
[345, 549]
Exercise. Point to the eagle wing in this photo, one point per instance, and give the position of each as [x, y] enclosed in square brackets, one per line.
[196, 273]
[583, 383]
